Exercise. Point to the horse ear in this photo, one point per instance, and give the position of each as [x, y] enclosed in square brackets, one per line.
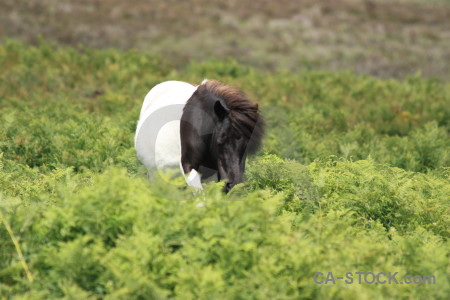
[221, 110]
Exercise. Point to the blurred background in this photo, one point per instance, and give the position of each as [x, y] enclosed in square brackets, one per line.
[383, 38]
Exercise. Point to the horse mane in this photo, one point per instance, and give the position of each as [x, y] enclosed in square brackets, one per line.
[243, 113]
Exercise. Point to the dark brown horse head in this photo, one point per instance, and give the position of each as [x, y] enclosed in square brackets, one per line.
[220, 126]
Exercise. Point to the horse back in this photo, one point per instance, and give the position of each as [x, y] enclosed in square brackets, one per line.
[157, 139]
[164, 94]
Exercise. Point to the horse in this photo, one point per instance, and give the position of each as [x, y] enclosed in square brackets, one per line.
[205, 130]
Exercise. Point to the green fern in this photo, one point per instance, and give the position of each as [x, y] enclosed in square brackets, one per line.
[353, 176]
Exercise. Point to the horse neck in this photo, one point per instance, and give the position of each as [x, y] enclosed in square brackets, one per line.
[199, 123]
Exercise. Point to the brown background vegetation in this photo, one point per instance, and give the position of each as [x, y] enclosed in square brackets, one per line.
[382, 38]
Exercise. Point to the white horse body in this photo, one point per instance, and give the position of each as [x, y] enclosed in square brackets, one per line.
[157, 139]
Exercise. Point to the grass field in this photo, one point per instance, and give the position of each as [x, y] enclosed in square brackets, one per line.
[353, 177]
[394, 38]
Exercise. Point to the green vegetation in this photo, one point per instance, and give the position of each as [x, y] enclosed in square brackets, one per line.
[353, 177]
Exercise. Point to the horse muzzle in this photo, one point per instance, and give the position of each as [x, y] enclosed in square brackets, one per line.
[228, 186]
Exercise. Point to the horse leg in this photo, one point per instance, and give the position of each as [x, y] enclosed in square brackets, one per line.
[193, 178]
